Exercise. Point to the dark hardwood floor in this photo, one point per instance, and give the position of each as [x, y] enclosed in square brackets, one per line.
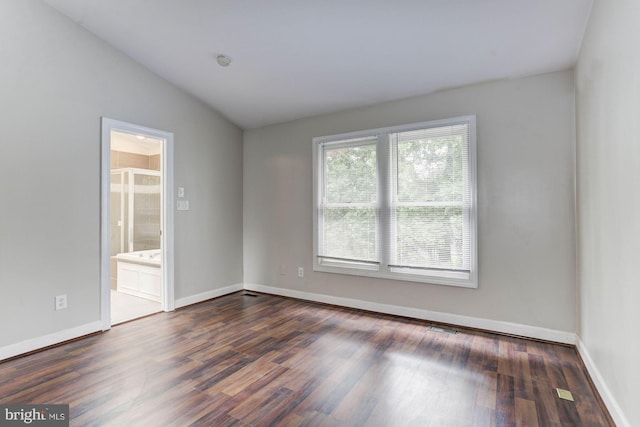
[266, 360]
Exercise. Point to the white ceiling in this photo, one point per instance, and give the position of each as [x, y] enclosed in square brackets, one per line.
[299, 58]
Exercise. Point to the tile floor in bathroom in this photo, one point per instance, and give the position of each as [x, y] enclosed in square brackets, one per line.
[126, 307]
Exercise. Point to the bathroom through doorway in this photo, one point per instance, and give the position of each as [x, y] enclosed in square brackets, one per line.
[137, 225]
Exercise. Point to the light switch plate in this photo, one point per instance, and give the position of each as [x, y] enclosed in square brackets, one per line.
[180, 191]
[61, 302]
[183, 205]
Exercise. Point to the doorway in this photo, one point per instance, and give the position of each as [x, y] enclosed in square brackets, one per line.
[136, 222]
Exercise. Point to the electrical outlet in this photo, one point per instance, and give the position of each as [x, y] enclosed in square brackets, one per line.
[61, 302]
[300, 272]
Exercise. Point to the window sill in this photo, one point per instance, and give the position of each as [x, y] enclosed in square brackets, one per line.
[462, 280]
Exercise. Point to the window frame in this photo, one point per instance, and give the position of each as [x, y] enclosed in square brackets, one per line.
[384, 156]
[363, 264]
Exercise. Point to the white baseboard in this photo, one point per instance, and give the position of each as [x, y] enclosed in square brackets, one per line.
[33, 344]
[416, 313]
[610, 402]
[194, 299]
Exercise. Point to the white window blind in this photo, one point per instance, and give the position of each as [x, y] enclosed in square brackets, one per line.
[348, 212]
[398, 203]
[431, 199]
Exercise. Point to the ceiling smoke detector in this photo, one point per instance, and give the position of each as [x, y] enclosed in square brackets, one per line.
[223, 60]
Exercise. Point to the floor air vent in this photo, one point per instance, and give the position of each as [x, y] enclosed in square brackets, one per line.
[443, 330]
[249, 295]
[564, 394]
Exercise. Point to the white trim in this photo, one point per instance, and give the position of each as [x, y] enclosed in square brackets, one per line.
[215, 293]
[168, 303]
[168, 226]
[33, 344]
[383, 269]
[38, 343]
[416, 313]
[610, 402]
[105, 193]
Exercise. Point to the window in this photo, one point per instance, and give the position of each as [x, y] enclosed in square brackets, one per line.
[398, 203]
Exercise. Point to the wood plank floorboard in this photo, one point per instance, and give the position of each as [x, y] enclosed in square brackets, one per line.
[267, 360]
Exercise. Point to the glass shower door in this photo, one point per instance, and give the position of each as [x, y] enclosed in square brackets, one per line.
[145, 211]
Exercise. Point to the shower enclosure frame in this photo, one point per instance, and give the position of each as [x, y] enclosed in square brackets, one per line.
[128, 210]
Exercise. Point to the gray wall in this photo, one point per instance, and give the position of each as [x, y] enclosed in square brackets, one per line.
[56, 81]
[608, 166]
[525, 192]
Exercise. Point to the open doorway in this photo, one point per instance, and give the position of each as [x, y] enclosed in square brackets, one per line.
[137, 225]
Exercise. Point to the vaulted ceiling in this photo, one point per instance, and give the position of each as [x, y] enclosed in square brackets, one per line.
[300, 58]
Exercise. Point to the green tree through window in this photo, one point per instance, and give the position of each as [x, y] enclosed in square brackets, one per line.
[398, 202]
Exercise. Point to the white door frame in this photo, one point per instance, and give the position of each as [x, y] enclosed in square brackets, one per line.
[168, 294]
